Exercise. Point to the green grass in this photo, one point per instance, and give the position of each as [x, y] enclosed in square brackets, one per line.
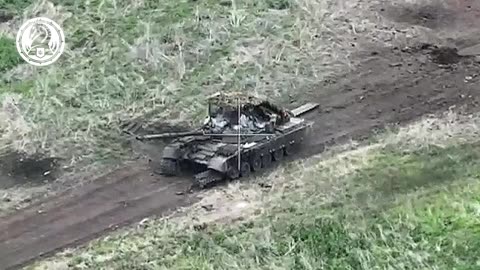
[9, 56]
[423, 212]
[14, 6]
[395, 172]
[17, 87]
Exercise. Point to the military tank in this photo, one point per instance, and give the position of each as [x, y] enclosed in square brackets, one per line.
[242, 134]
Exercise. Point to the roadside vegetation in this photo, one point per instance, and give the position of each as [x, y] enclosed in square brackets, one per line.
[397, 203]
[8, 54]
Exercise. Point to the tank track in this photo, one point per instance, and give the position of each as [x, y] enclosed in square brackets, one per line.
[210, 177]
[168, 167]
[207, 178]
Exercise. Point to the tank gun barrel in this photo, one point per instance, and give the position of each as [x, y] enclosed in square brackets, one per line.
[195, 133]
[169, 135]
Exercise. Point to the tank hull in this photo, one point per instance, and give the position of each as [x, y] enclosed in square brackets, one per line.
[216, 159]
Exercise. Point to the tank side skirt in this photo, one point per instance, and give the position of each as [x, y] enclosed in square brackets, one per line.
[294, 135]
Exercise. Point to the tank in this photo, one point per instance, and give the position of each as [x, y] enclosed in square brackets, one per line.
[241, 135]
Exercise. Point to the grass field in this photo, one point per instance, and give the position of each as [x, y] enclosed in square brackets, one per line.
[398, 203]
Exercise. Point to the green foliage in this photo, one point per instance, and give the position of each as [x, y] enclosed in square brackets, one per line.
[328, 240]
[9, 57]
[278, 4]
[392, 171]
[14, 6]
[18, 87]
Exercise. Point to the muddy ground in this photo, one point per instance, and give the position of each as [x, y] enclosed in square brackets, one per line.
[392, 85]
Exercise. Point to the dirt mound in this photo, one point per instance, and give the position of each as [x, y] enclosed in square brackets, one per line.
[17, 168]
[445, 55]
[441, 55]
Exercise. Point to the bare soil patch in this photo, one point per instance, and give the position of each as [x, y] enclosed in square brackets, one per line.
[445, 55]
[434, 14]
[18, 168]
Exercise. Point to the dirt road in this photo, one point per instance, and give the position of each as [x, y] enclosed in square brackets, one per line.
[122, 197]
[392, 85]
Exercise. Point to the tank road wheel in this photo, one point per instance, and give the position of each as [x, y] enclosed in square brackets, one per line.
[245, 169]
[168, 167]
[290, 149]
[278, 154]
[256, 163]
[201, 180]
[233, 173]
[266, 160]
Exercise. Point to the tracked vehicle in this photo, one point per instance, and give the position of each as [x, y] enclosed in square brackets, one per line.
[242, 134]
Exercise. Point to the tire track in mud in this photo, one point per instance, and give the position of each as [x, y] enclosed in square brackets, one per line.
[68, 202]
[90, 227]
[97, 205]
[379, 95]
[62, 200]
